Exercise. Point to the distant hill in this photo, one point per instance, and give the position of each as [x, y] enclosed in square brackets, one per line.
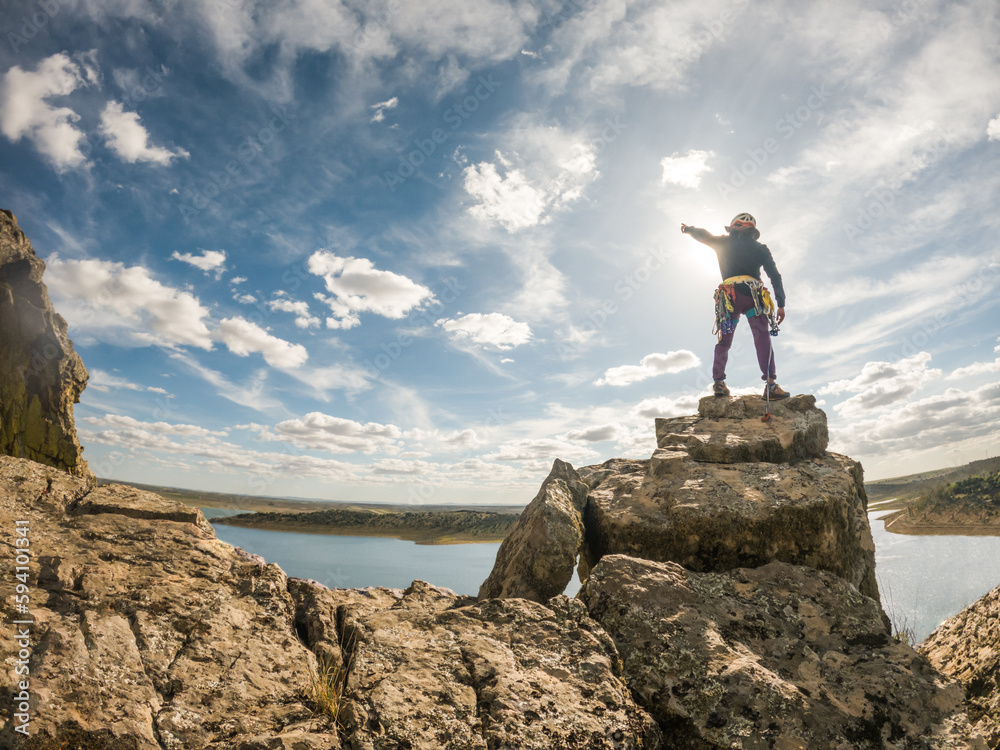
[423, 527]
[915, 485]
[963, 501]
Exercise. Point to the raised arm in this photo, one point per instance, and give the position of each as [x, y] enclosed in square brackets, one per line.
[703, 236]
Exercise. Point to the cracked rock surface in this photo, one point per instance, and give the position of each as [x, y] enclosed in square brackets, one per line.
[780, 656]
[148, 631]
[151, 633]
[967, 648]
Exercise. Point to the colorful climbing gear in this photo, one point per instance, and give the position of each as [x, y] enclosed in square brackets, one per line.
[725, 296]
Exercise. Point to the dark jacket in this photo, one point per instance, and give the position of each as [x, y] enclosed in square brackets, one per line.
[739, 255]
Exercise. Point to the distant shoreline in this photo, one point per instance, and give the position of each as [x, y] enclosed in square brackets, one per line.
[896, 523]
[421, 527]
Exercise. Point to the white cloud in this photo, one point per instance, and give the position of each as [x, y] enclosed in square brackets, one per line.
[243, 337]
[881, 384]
[608, 45]
[662, 406]
[507, 199]
[321, 431]
[160, 428]
[650, 366]
[209, 260]
[104, 381]
[129, 140]
[554, 167]
[686, 170]
[943, 419]
[125, 305]
[977, 368]
[237, 279]
[381, 107]
[993, 129]
[245, 299]
[596, 434]
[303, 319]
[492, 329]
[25, 113]
[357, 286]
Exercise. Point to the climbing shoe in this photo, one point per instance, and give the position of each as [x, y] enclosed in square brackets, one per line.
[719, 388]
[774, 392]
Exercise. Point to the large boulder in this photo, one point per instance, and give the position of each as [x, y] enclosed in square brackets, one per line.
[715, 517]
[967, 648]
[779, 656]
[41, 376]
[537, 558]
[440, 672]
[731, 431]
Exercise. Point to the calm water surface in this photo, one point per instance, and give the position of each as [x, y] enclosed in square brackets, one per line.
[923, 579]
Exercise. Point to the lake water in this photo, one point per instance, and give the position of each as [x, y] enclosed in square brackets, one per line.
[923, 580]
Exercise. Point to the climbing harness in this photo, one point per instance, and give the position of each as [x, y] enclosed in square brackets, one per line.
[725, 296]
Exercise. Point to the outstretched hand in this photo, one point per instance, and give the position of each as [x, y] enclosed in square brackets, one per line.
[779, 316]
[684, 228]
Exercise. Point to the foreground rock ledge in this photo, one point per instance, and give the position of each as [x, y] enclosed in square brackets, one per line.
[151, 634]
[967, 648]
[781, 656]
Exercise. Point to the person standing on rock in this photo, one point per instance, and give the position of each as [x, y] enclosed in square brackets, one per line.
[742, 292]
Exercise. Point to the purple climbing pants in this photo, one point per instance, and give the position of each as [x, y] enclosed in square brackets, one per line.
[761, 340]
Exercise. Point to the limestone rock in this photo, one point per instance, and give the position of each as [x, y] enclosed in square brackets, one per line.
[537, 558]
[716, 517]
[148, 631]
[967, 648]
[780, 656]
[441, 672]
[41, 376]
[731, 431]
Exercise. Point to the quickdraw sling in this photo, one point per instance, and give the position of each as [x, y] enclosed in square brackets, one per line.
[725, 296]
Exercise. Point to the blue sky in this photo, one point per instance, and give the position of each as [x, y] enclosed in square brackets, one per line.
[413, 252]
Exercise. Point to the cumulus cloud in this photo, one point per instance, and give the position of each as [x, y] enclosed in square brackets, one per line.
[125, 305]
[686, 170]
[882, 384]
[977, 368]
[208, 261]
[506, 198]
[357, 286]
[243, 337]
[596, 434]
[649, 367]
[300, 308]
[492, 329]
[993, 129]
[321, 431]
[546, 169]
[129, 140]
[26, 113]
[663, 406]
